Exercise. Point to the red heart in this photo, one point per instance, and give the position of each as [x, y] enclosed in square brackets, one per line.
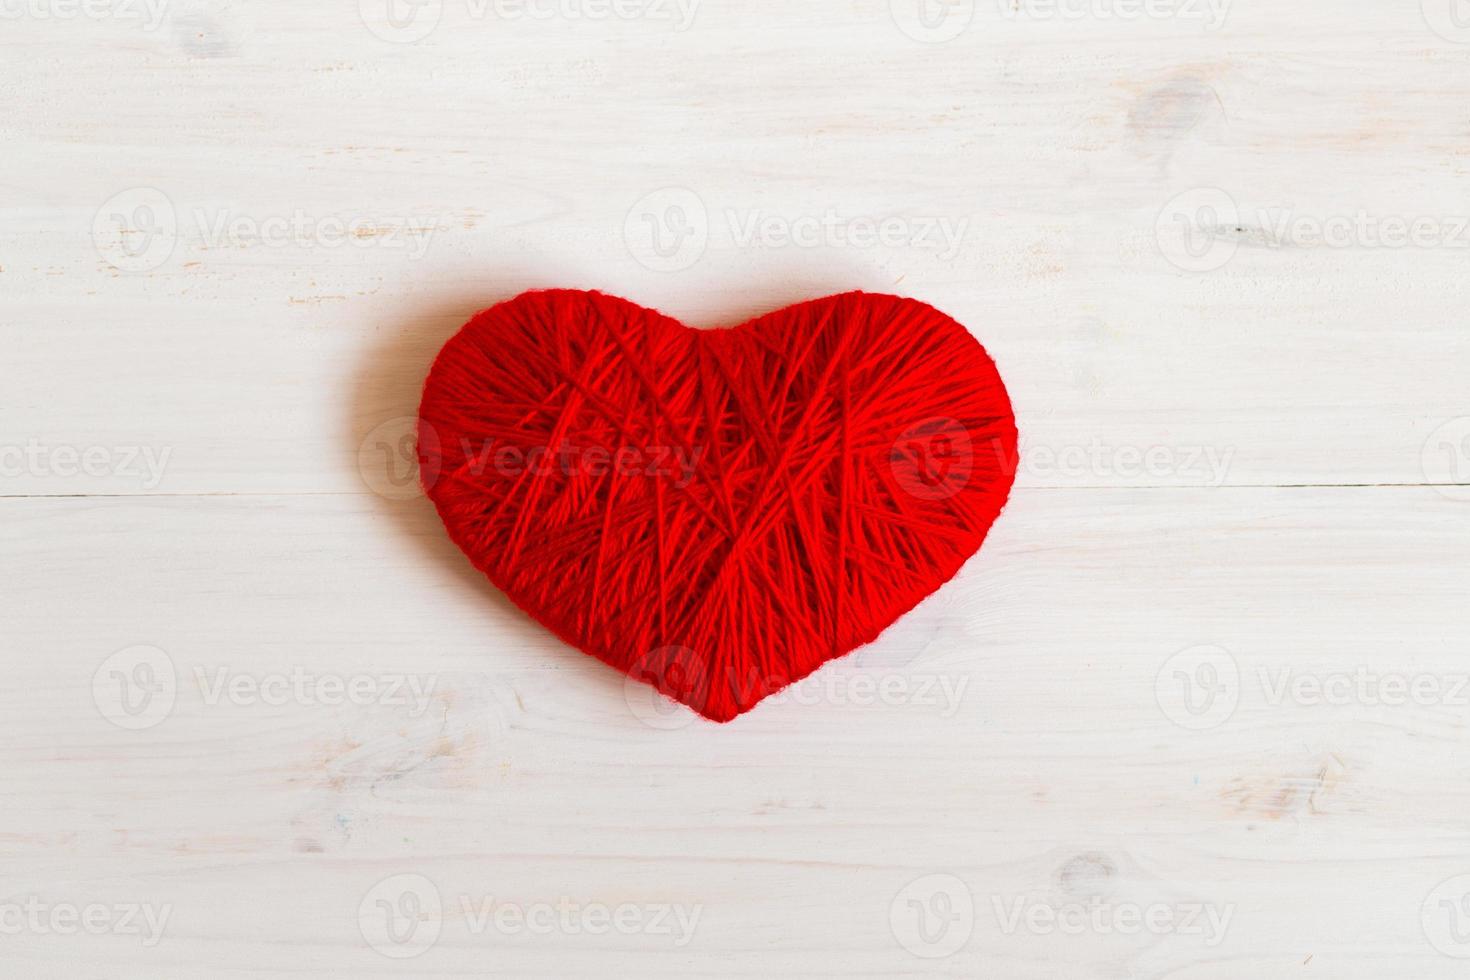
[716, 512]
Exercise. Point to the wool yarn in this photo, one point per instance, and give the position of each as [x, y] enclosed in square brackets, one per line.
[716, 512]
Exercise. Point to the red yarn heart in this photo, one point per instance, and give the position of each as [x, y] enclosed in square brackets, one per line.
[716, 512]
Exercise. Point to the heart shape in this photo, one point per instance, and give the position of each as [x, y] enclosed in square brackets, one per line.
[716, 512]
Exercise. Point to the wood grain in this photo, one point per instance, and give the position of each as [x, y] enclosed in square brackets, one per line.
[1210, 664]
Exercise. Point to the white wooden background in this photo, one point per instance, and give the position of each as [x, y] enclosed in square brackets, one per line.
[1208, 674]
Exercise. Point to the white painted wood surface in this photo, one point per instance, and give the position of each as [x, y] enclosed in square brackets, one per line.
[1198, 710]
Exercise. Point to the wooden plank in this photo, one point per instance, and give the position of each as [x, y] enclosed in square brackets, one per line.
[1207, 674]
[1021, 732]
[334, 205]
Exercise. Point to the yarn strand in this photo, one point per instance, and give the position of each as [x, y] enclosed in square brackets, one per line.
[716, 512]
